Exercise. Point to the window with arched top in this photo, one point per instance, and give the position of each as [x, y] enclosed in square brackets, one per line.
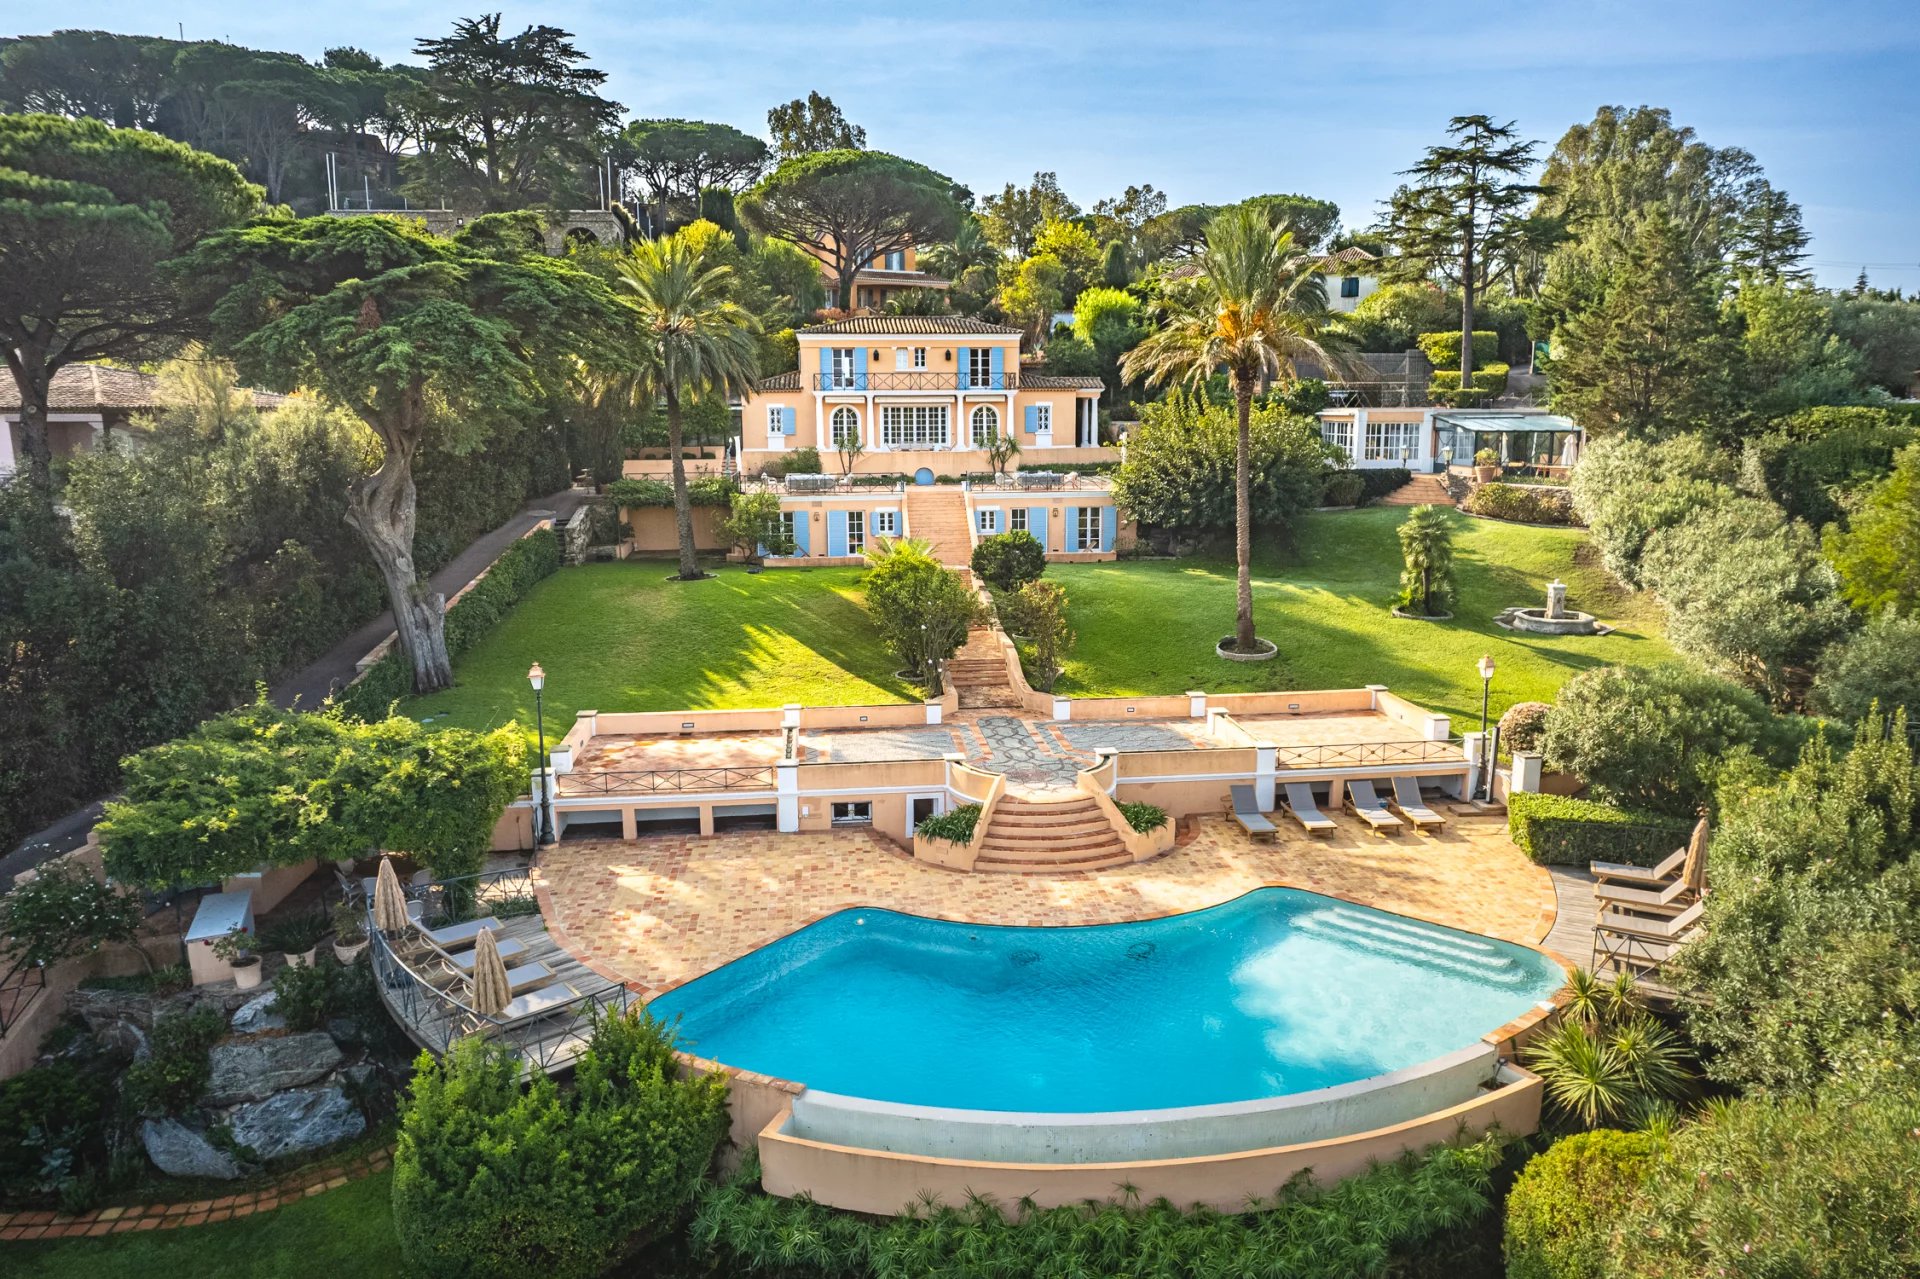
[846, 426]
[986, 425]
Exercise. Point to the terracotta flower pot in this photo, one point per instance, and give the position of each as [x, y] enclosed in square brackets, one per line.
[246, 973]
[1486, 474]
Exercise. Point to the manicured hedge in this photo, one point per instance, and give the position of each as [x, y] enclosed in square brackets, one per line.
[635, 491]
[1489, 383]
[1443, 349]
[1375, 483]
[527, 561]
[1555, 830]
[1522, 503]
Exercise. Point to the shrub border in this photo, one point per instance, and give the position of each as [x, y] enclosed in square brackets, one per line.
[1643, 838]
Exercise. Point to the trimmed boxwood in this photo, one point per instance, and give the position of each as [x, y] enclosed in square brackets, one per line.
[529, 560]
[955, 824]
[1563, 1206]
[635, 491]
[1523, 503]
[1555, 830]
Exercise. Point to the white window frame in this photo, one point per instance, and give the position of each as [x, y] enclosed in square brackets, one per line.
[790, 529]
[776, 421]
[834, 423]
[886, 524]
[844, 368]
[852, 812]
[1017, 520]
[1090, 527]
[1339, 433]
[915, 426]
[1386, 439]
[900, 357]
[992, 422]
[988, 518]
[856, 532]
[1043, 419]
[919, 357]
[980, 367]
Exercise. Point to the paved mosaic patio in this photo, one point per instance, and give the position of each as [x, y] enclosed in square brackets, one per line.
[661, 911]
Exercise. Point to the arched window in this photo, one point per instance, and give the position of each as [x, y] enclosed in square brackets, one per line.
[986, 425]
[846, 426]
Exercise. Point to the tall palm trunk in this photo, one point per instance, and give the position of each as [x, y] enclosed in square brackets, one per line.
[1243, 639]
[682, 504]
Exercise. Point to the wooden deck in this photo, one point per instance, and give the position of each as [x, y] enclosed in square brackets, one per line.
[429, 1003]
[1571, 936]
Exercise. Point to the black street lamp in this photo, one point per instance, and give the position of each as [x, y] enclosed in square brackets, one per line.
[543, 811]
[1486, 685]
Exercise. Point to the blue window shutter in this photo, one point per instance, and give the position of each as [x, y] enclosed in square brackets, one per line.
[792, 421]
[965, 356]
[1072, 532]
[1037, 524]
[1033, 418]
[860, 368]
[836, 532]
[999, 358]
[800, 521]
[1109, 527]
[826, 367]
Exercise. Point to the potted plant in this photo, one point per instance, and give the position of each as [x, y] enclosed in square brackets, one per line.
[296, 936]
[349, 932]
[1486, 466]
[241, 950]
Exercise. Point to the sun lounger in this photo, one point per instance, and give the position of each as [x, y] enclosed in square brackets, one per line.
[1406, 798]
[527, 976]
[1671, 900]
[1246, 811]
[459, 936]
[1301, 804]
[1367, 806]
[535, 1004]
[1641, 876]
[461, 962]
[1624, 923]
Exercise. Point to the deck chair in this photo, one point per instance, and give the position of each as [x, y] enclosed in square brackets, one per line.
[1671, 900]
[525, 976]
[1246, 811]
[1363, 803]
[459, 963]
[1406, 798]
[1300, 803]
[1641, 876]
[534, 1005]
[1641, 943]
[1624, 923]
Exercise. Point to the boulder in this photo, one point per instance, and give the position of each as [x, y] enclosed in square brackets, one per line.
[124, 1039]
[256, 1068]
[258, 1014]
[103, 1009]
[180, 1151]
[295, 1122]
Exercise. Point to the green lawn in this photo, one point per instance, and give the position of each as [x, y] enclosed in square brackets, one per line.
[1150, 626]
[342, 1234]
[622, 637]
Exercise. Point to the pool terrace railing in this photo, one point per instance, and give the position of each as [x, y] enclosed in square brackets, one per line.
[662, 781]
[1358, 754]
[434, 1017]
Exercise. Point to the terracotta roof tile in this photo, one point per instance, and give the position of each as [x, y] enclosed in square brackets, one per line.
[911, 326]
[92, 388]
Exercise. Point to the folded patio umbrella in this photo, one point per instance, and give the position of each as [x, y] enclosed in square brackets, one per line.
[1695, 871]
[389, 904]
[490, 992]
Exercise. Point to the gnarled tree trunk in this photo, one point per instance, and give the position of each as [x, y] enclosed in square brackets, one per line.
[682, 504]
[34, 378]
[380, 507]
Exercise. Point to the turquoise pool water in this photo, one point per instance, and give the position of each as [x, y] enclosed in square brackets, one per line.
[1279, 991]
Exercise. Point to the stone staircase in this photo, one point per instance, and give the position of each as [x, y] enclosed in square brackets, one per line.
[937, 513]
[1421, 490]
[979, 674]
[1042, 837]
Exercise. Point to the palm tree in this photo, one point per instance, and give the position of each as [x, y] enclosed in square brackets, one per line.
[1256, 305]
[694, 339]
[969, 247]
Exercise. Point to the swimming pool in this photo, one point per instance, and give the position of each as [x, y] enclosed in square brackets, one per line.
[1276, 992]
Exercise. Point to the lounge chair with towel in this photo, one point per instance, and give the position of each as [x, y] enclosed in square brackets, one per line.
[1369, 808]
[1406, 798]
[1246, 811]
[534, 1005]
[1305, 811]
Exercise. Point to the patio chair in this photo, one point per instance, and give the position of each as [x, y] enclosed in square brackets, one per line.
[523, 977]
[533, 1005]
[1246, 811]
[1406, 798]
[1363, 803]
[1624, 923]
[1671, 900]
[1643, 876]
[1301, 804]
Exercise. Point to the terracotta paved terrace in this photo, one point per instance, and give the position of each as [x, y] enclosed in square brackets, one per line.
[663, 910]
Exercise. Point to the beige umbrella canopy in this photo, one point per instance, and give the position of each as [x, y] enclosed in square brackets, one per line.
[1695, 871]
[490, 993]
[389, 904]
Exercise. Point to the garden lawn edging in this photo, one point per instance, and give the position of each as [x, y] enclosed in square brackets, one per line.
[1556, 830]
[300, 1184]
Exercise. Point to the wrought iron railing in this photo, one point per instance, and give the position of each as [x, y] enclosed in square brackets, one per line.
[659, 781]
[23, 984]
[1038, 481]
[916, 380]
[435, 1017]
[1355, 754]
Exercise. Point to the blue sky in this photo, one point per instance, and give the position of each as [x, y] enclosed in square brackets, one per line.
[1209, 101]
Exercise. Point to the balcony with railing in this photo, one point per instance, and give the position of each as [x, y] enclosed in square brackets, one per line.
[918, 380]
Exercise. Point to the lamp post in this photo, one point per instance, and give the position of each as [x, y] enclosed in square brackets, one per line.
[1486, 685]
[543, 812]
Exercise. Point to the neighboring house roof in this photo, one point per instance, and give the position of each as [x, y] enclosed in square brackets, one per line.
[779, 382]
[1049, 382]
[99, 388]
[910, 326]
[1352, 255]
[905, 279]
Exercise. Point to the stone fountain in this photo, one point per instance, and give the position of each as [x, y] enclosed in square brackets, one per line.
[1555, 619]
